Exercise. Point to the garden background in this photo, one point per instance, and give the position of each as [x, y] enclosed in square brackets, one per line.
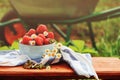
[107, 32]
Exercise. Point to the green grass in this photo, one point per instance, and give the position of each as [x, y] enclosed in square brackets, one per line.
[107, 32]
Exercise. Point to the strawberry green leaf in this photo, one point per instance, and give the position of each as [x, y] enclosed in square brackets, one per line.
[79, 44]
[92, 51]
[4, 48]
[15, 45]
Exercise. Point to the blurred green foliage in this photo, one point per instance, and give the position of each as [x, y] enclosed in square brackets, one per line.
[14, 46]
[79, 46]
[107, 32]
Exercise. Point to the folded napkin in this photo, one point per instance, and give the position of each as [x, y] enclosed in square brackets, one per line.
[80, 63]
[12, 58]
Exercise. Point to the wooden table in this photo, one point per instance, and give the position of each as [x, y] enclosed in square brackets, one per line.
[106, 68]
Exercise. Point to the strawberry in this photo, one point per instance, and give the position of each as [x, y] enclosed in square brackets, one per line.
[50, 35]
[26, 39]
[42, 36]
[39, 40]
[30, 32]
[41, 28]
[47, 41]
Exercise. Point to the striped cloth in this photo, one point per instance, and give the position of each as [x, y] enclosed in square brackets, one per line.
[12, 58]
[80, 63]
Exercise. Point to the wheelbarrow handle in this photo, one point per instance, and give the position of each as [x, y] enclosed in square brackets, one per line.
[2, 24]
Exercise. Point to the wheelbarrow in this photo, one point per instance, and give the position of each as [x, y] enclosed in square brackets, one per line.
[55, 12]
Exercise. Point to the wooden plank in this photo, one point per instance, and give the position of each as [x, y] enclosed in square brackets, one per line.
[106, 67]
[61, 69]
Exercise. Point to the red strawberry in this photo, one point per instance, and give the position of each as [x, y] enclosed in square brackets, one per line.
[47, 41]
[42, 36]
[30, 32]
[50, 35]
[39, 40]
[26, 39]
[41, 28]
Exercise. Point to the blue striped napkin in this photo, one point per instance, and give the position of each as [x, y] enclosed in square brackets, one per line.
[80, 63]
[12, 58]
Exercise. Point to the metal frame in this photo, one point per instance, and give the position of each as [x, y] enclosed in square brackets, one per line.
[111, 13]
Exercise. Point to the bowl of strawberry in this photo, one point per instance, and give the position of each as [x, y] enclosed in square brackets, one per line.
[36, 41]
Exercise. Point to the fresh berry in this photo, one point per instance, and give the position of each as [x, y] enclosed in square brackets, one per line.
[26, 39]
[41, 28]
[42, 36]
[39, 40]
[47, 41]
[50, 35]
[30, 32]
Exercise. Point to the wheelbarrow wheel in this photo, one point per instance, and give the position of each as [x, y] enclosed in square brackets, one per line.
[11, 32]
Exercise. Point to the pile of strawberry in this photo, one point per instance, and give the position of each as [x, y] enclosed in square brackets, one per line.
[39, 36]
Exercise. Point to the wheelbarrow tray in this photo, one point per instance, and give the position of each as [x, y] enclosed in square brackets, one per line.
[53, 9]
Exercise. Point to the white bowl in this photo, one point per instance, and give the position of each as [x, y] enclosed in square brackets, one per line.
[34, 52]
